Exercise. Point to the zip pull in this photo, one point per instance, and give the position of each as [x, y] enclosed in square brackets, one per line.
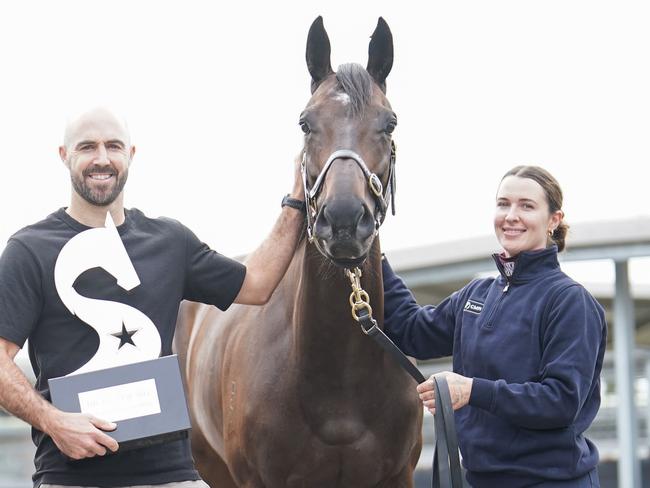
[505, 288]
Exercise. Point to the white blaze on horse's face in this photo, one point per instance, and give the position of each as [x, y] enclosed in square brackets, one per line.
[342, 97]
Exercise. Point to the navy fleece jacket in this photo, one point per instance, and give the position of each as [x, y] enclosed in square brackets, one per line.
[534, 345]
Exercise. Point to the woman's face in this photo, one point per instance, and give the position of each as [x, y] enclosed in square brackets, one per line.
[522, 219]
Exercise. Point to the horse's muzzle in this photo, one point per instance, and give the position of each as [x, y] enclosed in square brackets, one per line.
[344, 230]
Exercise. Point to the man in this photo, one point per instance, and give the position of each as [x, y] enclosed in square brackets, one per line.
[171, 263]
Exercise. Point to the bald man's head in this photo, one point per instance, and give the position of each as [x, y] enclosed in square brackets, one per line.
[97, 117]
[98, 152]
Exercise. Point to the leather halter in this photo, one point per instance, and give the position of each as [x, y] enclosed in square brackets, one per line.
[381, 195]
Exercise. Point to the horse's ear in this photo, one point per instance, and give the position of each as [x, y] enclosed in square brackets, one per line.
[380, 53]
[318, 53]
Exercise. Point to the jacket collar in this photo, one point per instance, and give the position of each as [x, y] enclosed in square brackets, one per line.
[530, 264]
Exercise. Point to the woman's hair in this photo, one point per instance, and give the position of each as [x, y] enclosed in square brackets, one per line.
[553, 194]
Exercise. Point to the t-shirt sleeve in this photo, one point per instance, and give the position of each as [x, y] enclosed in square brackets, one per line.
[209, 276]
[21, 297]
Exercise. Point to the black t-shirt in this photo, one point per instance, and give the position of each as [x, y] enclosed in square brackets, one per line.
[171, 264]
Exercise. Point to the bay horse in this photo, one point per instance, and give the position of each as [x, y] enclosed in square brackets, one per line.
[293, 394]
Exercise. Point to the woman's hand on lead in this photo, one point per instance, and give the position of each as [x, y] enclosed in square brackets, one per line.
[460, 389]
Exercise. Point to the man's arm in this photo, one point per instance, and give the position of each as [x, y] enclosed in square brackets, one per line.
[266, 266]
[76, 435]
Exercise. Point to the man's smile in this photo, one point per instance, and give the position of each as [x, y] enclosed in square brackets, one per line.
[100, 176]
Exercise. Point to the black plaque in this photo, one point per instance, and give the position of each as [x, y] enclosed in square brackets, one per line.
[130, 387]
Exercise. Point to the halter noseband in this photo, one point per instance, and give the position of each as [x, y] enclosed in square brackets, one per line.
[381, 195]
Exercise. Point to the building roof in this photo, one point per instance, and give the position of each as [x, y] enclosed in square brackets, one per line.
[449, 261]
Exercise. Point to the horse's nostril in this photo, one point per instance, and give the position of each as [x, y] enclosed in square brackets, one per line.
[362, 212]
[366, 224]
[322, 226]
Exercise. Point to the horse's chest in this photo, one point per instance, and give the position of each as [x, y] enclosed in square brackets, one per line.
[333, 445]
[319, 429]
[335, 423]
[363, 462]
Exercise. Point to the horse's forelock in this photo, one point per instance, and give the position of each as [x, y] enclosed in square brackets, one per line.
[354, 80]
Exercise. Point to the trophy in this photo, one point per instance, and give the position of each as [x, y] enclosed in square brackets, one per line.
[125, 382]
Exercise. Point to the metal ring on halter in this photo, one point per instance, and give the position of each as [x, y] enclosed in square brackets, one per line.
[375, 185]
[360, 306]
[359, 296]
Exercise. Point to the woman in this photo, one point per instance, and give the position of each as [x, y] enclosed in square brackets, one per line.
[527, 348]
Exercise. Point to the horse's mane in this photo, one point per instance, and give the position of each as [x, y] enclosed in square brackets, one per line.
[354, 80]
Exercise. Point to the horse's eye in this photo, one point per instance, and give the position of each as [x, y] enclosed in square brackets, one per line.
[305, 127]
[390, 127]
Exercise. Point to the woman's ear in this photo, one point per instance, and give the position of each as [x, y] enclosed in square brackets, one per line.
[556, 218]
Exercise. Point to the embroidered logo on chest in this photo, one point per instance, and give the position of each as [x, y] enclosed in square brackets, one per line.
[473, 306]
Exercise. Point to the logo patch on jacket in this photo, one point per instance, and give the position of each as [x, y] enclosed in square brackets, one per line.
[473, 306]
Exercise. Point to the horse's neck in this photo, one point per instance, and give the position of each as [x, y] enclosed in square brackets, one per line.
[326, 335]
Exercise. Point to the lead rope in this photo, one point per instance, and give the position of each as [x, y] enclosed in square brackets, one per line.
[447, 467]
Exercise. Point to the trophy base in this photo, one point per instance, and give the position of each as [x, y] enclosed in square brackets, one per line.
[152, 441]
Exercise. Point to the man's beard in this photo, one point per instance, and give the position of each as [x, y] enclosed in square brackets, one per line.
[99, 198]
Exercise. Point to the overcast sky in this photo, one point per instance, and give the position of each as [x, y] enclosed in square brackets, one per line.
[212, 92]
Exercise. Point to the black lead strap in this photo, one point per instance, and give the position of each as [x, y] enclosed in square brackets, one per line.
[371, 329]
[446, 441]
[446, 460]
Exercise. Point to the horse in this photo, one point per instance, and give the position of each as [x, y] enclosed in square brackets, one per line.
[293, 394]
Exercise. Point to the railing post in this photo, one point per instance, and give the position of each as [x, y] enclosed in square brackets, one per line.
[646, 362]
[629, 469]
